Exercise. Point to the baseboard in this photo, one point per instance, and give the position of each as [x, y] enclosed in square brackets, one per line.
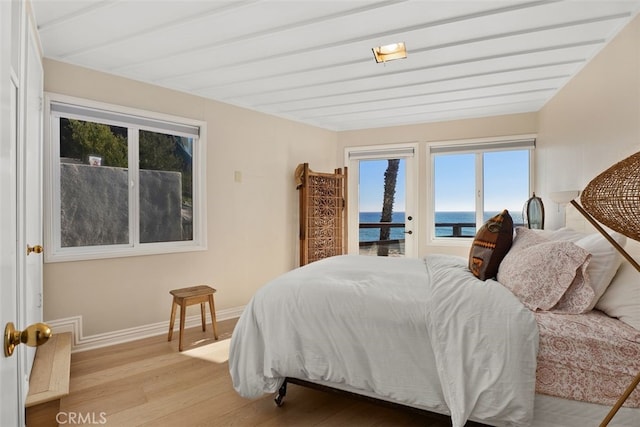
[83, 343]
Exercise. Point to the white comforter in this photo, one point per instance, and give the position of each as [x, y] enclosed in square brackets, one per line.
[421, 332]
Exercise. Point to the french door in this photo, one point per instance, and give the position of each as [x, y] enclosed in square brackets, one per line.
[382, 200]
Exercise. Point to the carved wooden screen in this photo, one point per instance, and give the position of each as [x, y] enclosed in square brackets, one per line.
[323, 213]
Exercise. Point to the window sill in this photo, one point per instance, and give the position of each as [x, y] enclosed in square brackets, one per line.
[88, 254]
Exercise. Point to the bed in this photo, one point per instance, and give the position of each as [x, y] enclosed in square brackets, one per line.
[427, 334]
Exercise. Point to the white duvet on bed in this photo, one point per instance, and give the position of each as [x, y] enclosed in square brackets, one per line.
[420, 332]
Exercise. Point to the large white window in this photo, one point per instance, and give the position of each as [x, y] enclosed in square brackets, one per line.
[474, 180]
[122, 182]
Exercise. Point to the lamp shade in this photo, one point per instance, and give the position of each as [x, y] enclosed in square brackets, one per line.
[613, 197]
[533, 213]
[564, 197]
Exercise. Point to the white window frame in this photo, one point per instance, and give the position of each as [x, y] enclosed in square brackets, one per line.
[477, 146]
[135, 120]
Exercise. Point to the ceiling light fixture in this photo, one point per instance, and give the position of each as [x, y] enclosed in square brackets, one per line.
[389, 52]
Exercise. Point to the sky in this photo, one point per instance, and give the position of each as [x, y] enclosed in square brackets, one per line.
[372, 185]
[506, 186]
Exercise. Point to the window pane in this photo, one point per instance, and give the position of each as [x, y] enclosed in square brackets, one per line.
[166, 187]
[106, 206]
[94, 195]
[381, 204]
[506, 183]
[454, 195]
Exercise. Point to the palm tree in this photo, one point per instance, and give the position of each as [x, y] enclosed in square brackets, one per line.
[390, 178]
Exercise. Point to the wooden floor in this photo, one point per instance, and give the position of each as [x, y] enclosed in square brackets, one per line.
[149, 383]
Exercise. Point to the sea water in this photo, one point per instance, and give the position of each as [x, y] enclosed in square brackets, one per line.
[372, 234]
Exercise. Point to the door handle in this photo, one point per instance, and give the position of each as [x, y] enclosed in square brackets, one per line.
[408, 232]
[38, 249]
[35, 335]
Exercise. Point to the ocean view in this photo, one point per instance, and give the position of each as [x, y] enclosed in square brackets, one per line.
[372, 234]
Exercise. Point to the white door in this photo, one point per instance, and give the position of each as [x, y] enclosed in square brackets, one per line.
[379, 224]
[30, 191]
[10, 386]
[30, 200]
[10, 413]
[20, 194]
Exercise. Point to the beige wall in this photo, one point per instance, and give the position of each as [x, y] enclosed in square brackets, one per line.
[252, 225]
[593, 122]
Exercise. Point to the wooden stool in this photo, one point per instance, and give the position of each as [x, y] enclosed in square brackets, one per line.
[188, 296]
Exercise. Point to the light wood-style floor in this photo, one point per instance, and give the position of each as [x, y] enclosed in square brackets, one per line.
[149, 383]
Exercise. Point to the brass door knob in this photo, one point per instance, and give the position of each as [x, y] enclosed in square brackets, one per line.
[38, 249]
[35, 335]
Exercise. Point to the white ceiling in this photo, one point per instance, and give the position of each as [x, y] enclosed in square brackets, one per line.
[311, 60]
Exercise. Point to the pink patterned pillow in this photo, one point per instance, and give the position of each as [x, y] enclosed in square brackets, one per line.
[547, 275]
[579, 297]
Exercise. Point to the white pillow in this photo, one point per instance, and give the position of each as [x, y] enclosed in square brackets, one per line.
[622, 297]
[605, 261]
[605, 258]
[565, 234]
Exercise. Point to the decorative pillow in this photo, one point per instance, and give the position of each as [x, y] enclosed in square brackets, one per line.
[491, 244]
[540, 272]
[622, 298]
